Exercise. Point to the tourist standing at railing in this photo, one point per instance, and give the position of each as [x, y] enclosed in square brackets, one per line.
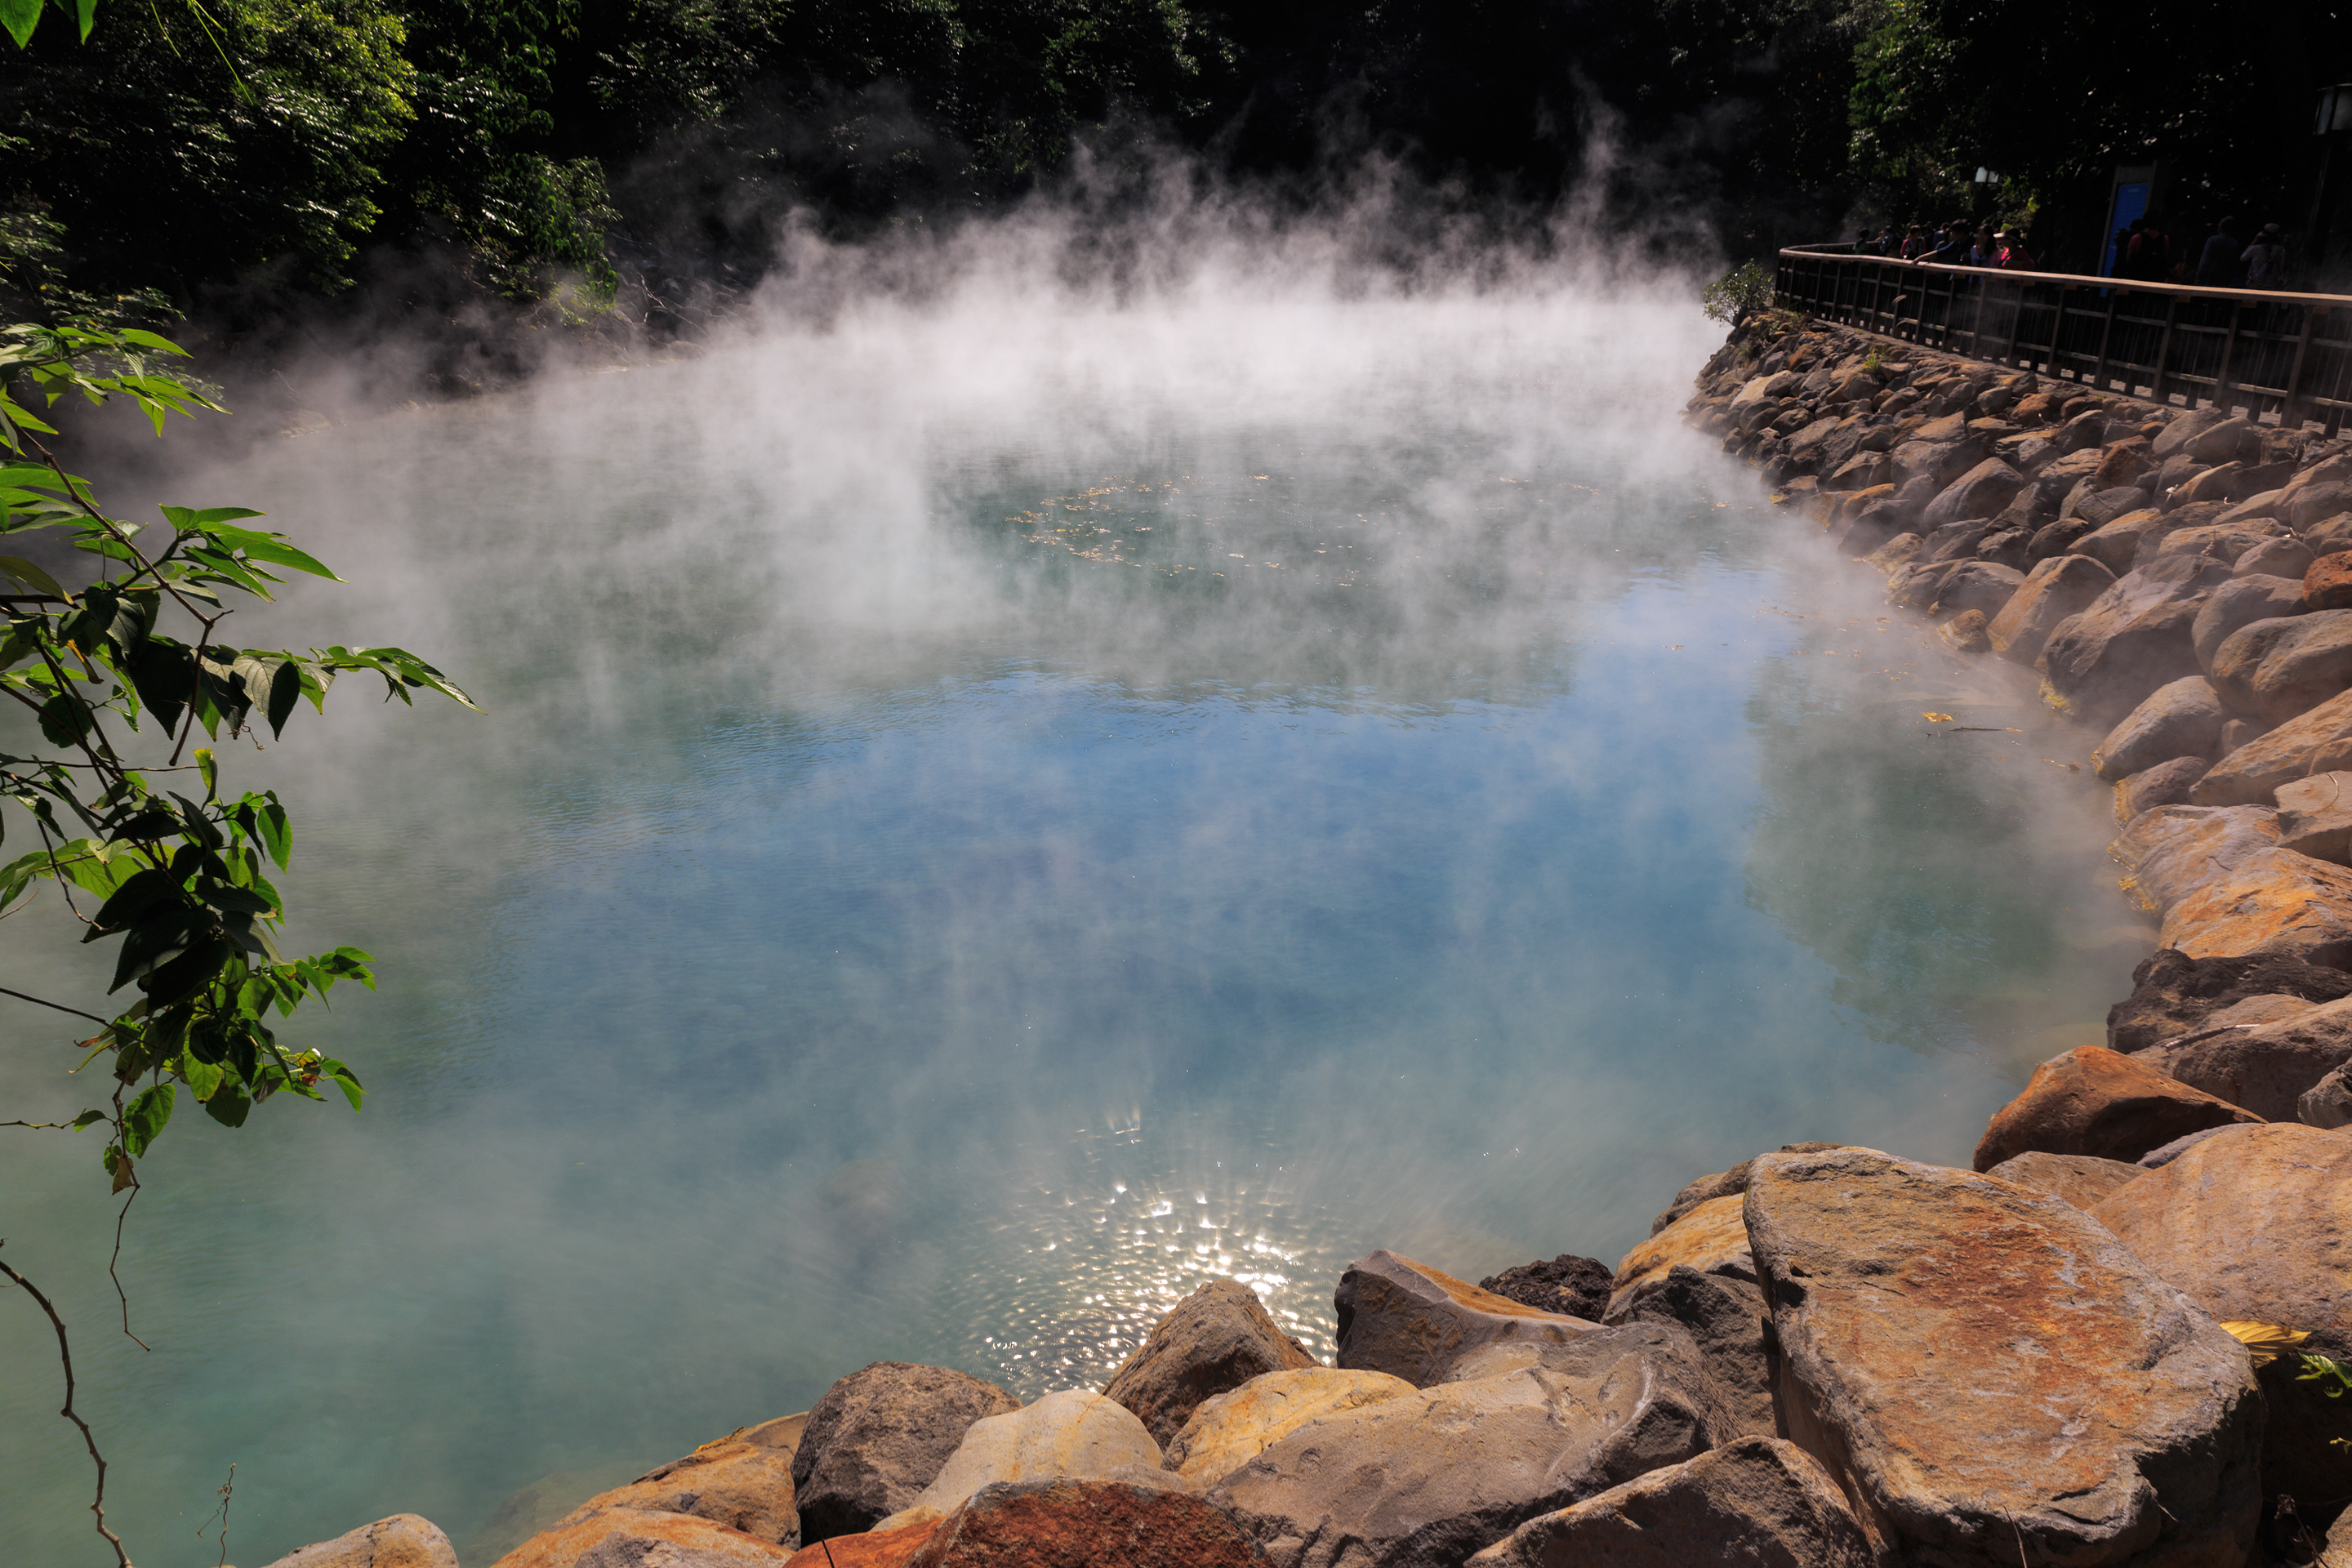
[1914, 244]
[2151, 252]
[1887, 242]
[2265, 260]
[1984, 252]
[1951, 248]
[2014, 257]
[2217, 264]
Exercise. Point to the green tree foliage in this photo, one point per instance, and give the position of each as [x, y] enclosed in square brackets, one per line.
[171, 162]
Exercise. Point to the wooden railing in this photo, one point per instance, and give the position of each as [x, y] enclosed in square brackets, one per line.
[2283, 354]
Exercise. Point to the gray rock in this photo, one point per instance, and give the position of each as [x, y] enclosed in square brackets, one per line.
[2175, 436]
[2218, 541]
[2116, 545]
[2318, 742]
[2314, 504]
[2165, 1153]
[2082, 1180]
[2177, 850]
[1757, 1503]
[878, 1437]
[2167, 784]
[2239, 603]
[1427, 1479]
[1067, 1434]
[1724, 1316]
[1989, 1373]
[2173, 994]
[2179, 718]
[402, 1541]
[2329, 1102]
[1571, 1286]
[2314, 816]
[1982, 491]
[2266, 1068]
[1229, 1430]
[2131, 639]
[1413, 1321]
[1952, 541]
[2054, 590]
[2277, 668]
[1216, 1339]
[1980, 586]
[1895, 553]
[2288, 558]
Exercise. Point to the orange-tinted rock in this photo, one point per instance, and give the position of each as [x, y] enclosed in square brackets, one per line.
[1216, 1339]
[403, 1541]
[868, 1549]
[2173, 850]
[2317, 741]
[2054, 590]
[2275, 901]
[630, 1535]
[1087, 1524]
[1722, 1183]
[2327, 581]
[744, 1486]
[1413, 1321]
[2082, 1180]
[1229, 1431]
[2092, 1101]
[1992, 1377]
[1711, 1237]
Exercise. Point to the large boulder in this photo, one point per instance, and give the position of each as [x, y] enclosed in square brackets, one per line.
[1228, 1431]
[1990, 1376]
[2318, 742]
[1429, 1478]
[2277, 668]
[2327, 581]
[2082, 1180]
[1571, 1286]
[2314, 816]
[1757, 1503]
[2131, 639]
[403, 1541]
[2165, 784]
[878, 1437]
[2179, 718]
[1983, 586]
[2329, 1102]
[2227, 541]
[625, 1537]
[2256, 1224]
[1080, 1524]
[2275, 900]
[1068, 1434]
[1982, 491]
[1711, 1238]
[2116, 545]
[1940, 455]
[1724, 1316]
[2175, 850]
[2173, 994]
[1778, 384]
[2286, 559]
[2265, 1068]
[1722, 1183]
[870, 1548]
[2057, 588]
[2238, 604]
[2092, 1101]
[2177, 436]
[743, 1486]
[1413, 1321]
[1217, 1338]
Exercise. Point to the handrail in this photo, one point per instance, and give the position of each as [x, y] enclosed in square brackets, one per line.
[2269, 352]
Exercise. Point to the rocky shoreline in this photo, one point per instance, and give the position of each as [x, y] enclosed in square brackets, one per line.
[1826, 1356]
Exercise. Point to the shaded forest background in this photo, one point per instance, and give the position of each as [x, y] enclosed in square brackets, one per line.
[602, 163]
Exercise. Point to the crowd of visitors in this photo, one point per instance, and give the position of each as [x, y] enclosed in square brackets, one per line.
[2148, 251]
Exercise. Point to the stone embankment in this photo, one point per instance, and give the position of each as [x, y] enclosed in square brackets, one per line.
[1826, 1356]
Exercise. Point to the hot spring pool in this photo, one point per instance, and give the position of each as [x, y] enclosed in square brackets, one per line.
[991, 815]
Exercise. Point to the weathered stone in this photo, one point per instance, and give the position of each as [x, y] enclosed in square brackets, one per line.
[2163, 1154]
[2256, 1224]
[1216, 1339]
[403, 1541]
[2082, 1180]
[1722, 1183]
[2116, 545]
[1981, 492]
[1862, 471]
[1413, 1321]
[2238, 604]
[2273, 901]
[870, 1548]
[2329, 534]
[1965, 632]
[2173, 994]
[2264, 1068]
[1079, 1523]
[1571, 1286]
[1711, 1238]
[1757, 1503]
[2131, 639]
[2167, 784]
[1894, 553]
[2329, 1102]
[1939, 460]
[2054, 538]
[2054, 590]
[2179, 718]
[2123, 462]
[625, 1537]
[2007, 546]
[2226, 482]
[2275, 669]
[2287, 558]
[2228, 441]
[1067, 1434]
[2315, 817]
[1989, 1375]
[1978, 585]
[1764, 386]
[743, 1486]
[2175, 850]
[1431, 1477]
[1952, 541]
[2083, 431]
[2327, 581]
[2092, 1101]
[1724, 1316]
[2311, 505]
[1228, 1431]
[2317, 741]
[2177, 435]
[2217, 540]
[878, 1437]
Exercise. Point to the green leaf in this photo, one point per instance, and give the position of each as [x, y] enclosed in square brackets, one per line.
[164, 673]
[204, 1079]
[145, 1117]
[20, 18]
[142, 893]
[88, 1118]
[229, 1107]
[148, 339]
[86, 11]
[285, 690]
[208, 768]
[343, 1078]
[32, 576]
[66, 719]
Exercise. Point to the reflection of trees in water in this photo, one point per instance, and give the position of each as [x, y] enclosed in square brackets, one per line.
[1958, 898]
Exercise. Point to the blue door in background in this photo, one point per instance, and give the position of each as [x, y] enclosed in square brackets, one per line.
[2130, 205]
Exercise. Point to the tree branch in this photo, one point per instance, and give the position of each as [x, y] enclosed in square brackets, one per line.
[65, 1357]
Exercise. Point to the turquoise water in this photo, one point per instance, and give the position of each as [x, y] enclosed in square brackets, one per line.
[992, 816]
